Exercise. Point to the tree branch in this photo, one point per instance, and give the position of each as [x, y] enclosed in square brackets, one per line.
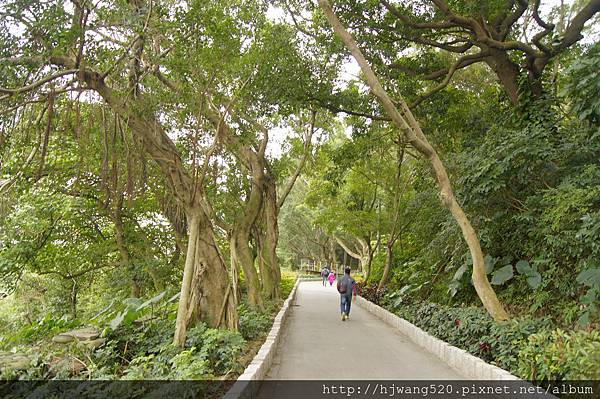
[548, 28]
[573, 32]
[444, 46]
[513, 17]
[307, 146]
[295, 22]
[336, 110]
[39, 83]
[417, 25]
[459, 64]
[348, 250]
[459, 19]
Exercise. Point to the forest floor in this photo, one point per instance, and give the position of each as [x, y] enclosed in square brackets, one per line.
[317, 344]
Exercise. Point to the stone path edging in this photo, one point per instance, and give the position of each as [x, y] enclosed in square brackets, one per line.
[460, 360]
[260, 364]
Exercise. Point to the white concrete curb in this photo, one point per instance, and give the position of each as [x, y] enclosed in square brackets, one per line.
[258, 367]
[468, 365]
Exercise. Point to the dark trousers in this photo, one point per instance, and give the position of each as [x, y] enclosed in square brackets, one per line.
[324, 280]
[345, 302]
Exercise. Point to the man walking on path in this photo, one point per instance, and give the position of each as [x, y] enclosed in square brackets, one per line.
[324, 274]
[346, 286]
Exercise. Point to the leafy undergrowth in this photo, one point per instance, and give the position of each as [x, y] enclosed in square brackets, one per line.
[530, 348]
[139, 344]
[29, 334]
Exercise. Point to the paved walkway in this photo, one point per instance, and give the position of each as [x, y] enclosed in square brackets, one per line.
[316, 344]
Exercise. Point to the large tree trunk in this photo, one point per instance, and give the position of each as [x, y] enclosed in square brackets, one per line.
[206, 291]
[241, 256]
[271, 272]
[407, 123]
[241, 253]
[212, 299]
[271, 277]
[507, 72]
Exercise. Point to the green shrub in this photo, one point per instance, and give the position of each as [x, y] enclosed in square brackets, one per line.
[146, 368]
[253, 324]
[288, 279]
[462, 327]
[47, 326]
[209, 352]
[222, 349]
[143, 339]
[190, 365]
[104, 362]
[506, 339]
[527, 347]
[172, 364]
[194, 337]
[371, 293]
[560, 355]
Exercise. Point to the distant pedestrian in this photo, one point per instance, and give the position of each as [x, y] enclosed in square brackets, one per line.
[346, 287]
[324, 274]
[331, 278]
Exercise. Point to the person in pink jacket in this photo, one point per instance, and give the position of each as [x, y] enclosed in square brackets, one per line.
[331, 278]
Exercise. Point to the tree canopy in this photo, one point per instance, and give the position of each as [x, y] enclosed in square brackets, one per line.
[198, 151]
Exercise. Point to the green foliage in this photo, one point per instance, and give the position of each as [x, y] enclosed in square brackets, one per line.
[591, 279]
[144, 367]
[581, 85]
[151, 355]
[190, 365]
[222, 349]
[534, 278]
[371, 292]
[208, 353]
[462, 327]
[502, 275]
[505, 340]
[558, 355]
[528, 347]
[140, 344]
[253, 324]
[527, 176]
[30, 334]
[288, 279]
[131, 309]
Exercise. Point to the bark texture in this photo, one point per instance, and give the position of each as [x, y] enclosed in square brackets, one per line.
[389, 260]
[269, 238]
[241, 253]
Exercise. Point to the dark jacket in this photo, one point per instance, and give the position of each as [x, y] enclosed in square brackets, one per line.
[350, 285]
